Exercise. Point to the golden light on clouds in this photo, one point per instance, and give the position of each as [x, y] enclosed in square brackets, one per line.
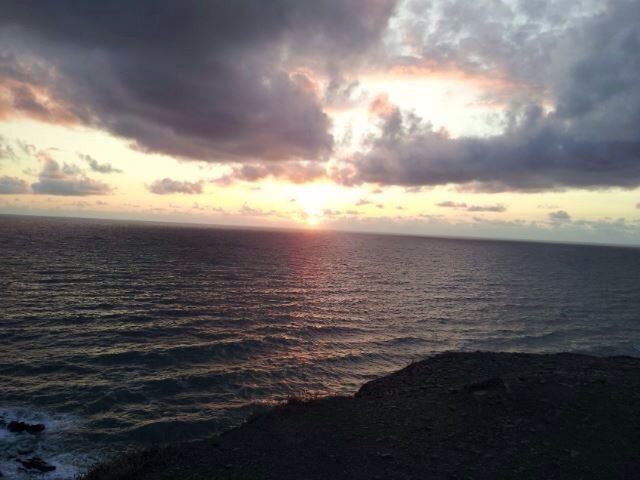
[409, 119]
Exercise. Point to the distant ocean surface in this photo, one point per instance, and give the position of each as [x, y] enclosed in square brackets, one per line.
[120, 334]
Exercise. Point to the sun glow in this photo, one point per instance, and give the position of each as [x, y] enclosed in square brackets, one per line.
[312, 200]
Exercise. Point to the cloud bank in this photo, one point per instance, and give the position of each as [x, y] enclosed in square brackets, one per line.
[212, 81]
[581, 131]
[13, 185]
[238, 82]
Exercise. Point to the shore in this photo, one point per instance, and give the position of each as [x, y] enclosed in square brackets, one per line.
[451, 416]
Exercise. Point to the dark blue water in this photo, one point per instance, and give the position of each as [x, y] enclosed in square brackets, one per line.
[121, 334]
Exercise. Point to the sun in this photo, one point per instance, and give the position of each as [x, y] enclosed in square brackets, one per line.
[317, 202]
[312, 200]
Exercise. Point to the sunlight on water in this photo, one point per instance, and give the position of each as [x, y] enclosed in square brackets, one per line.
[136, 333]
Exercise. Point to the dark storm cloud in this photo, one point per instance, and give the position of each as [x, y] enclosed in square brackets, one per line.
[97, 166]
[589, 73]
[295, 172]
[13, 185]
[66, 180]
[24, 88]
[168, 186]
[230, 81]
[538, 153]
[203, 80]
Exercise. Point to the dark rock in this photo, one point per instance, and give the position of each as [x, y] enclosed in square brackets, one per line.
[553, 431]
[485, 386]
[36, 463]
[19, 427]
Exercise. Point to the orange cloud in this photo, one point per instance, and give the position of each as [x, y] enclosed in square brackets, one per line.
[23, 99]
[500, 84]
[381, 106]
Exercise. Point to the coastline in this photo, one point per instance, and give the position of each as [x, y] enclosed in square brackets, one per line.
[451, 416]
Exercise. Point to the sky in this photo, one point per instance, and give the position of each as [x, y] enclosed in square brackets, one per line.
[500, 119]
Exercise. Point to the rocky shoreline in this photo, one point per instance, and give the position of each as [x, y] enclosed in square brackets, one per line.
[451, 416]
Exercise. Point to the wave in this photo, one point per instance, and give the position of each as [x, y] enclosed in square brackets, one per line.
[194, 353]
[50, 445]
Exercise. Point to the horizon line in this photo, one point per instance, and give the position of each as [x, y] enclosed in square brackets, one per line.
[318, 229]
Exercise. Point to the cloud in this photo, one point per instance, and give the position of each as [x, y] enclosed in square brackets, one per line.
[66, 180]
[97, 166]
[248, 83]
[24, 92]
[295, 172]
[582, 132]
[473, 208]
[537, 153]
[168, 186]
[450, 204]
[559, 216]
[342, 93]
[487, 208]
[6, 151]
[517, 223]
[216, 81]
[70, 187]
[258, 212]
[505, 39]
[210, 208]
[607, 225]
[13, 185]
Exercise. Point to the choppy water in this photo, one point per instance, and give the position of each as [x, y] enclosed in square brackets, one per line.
[121, 334]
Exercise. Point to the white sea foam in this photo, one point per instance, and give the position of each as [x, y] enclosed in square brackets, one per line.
[51, 445]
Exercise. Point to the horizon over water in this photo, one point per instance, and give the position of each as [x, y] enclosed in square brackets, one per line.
[316, 228]
[117, 334]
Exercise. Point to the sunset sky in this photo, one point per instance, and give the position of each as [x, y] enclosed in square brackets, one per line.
[506, 119]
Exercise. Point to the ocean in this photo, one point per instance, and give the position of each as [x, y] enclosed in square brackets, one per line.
[117, 335]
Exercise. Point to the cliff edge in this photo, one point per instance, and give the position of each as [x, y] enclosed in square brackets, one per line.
[451, 416]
